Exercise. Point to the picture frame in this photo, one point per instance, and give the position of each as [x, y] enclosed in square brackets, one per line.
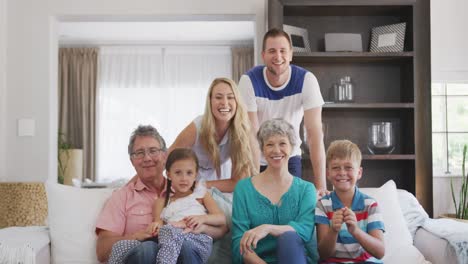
[389, 38]
[299, 38]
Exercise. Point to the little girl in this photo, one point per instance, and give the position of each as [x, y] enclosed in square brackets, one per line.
[177, 218]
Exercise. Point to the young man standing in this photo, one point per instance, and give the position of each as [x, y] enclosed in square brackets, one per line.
[281, 90]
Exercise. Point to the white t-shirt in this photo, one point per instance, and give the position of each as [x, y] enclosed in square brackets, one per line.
[207, 170]
[287, 102]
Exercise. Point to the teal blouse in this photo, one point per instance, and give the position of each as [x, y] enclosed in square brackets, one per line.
[251, 209]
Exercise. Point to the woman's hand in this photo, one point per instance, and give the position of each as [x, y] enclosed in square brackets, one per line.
[200, 229]
[322, 192]
[193, 221]
[250, 238]
[252, 258]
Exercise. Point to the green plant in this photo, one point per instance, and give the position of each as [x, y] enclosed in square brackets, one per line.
[63, 155]
[461, 210]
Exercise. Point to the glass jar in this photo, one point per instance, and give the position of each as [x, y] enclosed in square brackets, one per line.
[343, 92]
[381, 138]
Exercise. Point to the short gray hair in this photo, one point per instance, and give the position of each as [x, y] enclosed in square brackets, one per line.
[276, 127]
[142, 131]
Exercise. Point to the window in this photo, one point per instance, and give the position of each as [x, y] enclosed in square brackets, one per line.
[449, 127]
[161, 86]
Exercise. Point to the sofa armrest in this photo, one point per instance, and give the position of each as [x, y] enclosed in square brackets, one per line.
[435, 249]
[30, 244]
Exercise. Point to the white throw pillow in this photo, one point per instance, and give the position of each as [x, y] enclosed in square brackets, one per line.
[397, 235]
[72, 220]
[413, 212]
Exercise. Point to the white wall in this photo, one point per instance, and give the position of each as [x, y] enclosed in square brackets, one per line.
[449, 40]
[31, 77]
[449, 62]
[443, 202]
[2, 88]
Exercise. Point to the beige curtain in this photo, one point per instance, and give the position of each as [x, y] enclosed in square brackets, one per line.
[77, 102]
[242, 61]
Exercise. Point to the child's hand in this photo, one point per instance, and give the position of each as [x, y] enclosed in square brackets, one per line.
[187, 230]
[337, 220]
[349, 217]
[193, 221]
[200, 229]
[179, 224]
[153, 228]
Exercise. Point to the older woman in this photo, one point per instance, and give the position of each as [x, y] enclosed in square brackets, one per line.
[220, 137]
[273, 212]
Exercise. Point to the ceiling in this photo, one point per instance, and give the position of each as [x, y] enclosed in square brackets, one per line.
[160, 32]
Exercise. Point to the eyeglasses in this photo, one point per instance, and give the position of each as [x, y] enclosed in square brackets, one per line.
[152, 152]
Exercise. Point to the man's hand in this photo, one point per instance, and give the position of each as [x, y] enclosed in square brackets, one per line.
[141, 235]
[153, 228]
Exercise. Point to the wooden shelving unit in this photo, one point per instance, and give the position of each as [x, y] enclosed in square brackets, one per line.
[375, 106]
[393, 86]
[388, 157]
[330, 57]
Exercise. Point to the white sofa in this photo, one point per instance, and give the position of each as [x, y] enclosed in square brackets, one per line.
[73, 212]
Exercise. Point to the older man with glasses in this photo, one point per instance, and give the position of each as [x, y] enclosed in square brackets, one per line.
[122, 225]
[128, 211]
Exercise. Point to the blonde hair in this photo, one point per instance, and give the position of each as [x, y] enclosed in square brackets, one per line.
[239, 129]
[344, 149]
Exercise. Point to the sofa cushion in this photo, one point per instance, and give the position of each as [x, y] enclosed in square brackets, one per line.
[221, 252]
[397, 235]
[72, 220]
[406, 254]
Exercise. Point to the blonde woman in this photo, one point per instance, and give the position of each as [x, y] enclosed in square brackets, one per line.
[220, 138]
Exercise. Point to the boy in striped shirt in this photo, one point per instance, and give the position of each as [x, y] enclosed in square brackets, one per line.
[349, 223]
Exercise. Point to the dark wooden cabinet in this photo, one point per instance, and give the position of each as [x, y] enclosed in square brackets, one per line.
[387, 86]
